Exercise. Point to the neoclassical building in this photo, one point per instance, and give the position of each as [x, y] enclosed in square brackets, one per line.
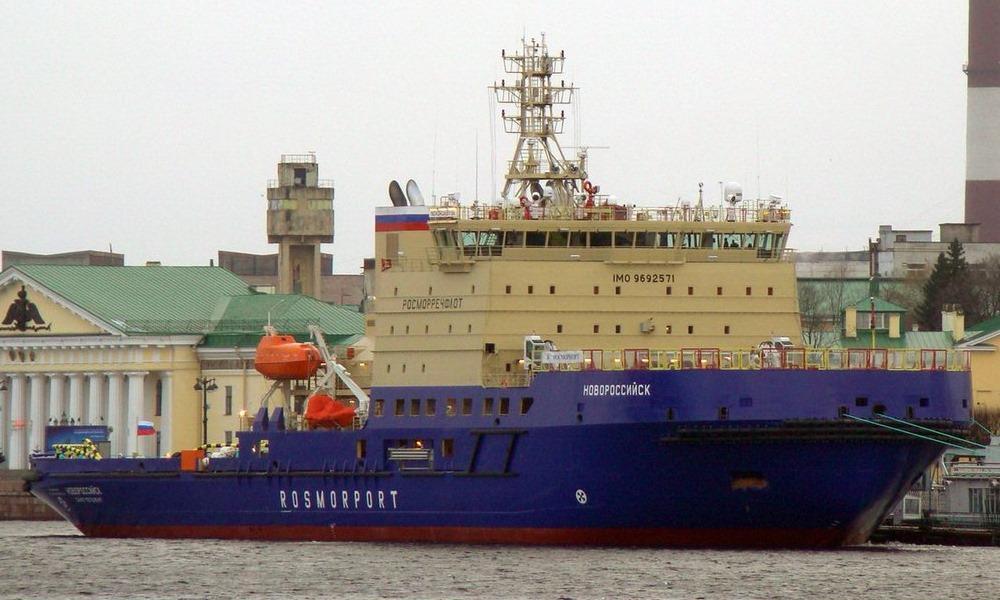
[117, 345]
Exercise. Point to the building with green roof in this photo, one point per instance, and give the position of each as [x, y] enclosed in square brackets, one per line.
[115, 345]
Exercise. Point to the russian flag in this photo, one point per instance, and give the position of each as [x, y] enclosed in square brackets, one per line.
[146, 428]
[401, 218]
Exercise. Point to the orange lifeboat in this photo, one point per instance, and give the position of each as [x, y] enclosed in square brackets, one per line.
[324, 411]
[281, 357]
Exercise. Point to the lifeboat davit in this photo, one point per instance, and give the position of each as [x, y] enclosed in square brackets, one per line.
[324, 411]
[281, 357]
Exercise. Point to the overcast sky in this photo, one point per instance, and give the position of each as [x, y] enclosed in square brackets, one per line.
[154, 126]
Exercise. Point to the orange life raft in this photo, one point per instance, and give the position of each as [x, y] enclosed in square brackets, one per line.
[281, 357]
[324, 411]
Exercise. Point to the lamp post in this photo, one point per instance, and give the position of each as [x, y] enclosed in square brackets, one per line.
[204, 385]
[3, 422]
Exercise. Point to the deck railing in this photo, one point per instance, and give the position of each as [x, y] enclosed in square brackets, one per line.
[612, 212]
[925, 359]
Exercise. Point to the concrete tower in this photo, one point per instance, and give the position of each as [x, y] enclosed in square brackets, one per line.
[982, 179]
[299, 219]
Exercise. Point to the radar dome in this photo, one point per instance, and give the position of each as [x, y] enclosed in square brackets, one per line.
[733, 192]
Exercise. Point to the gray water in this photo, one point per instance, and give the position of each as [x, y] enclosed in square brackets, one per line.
[51, 560]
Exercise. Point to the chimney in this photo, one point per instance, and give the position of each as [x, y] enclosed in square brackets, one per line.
[982, 170]
[953, 321]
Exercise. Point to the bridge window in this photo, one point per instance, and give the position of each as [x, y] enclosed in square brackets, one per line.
[466, 407]
[447, 448]
[504, 406]
[726, 329]
[400, 407]
[558, 239]
[430, 407]
[666, 239]
[535, 239]
[645, 239]
[379, 407]
[451, 407]
[514, 239]
[600, 239]
[487, 406]
[415, 407]
[526, 405]
[691, 240]
[623, 239]
[578, 239]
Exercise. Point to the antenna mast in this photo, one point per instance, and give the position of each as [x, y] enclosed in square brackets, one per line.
[539, 171]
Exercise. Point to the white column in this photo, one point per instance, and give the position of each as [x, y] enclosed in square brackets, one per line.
[95, 383]
[116, 414]
[57, 398]
[37, 440]
[136, 402]
[17, 455]
[167, 413]
[76, 398]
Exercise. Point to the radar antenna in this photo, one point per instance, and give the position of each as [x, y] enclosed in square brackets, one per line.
[539, 171]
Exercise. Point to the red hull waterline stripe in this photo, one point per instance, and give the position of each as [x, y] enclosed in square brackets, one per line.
[760, 538]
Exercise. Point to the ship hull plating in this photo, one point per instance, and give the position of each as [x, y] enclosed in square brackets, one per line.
[626, 478]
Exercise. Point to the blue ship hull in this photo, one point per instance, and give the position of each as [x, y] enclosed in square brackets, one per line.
[623, 458]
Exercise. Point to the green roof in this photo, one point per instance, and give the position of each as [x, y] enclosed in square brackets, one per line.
[241, 321]
[983, 328]
[909, 339]
[865, 304]
[152, 299]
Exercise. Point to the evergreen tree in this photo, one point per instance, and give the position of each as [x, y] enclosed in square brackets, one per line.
[949, 283]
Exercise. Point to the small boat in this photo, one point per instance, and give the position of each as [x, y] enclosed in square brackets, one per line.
[324, 411]
[281, 357]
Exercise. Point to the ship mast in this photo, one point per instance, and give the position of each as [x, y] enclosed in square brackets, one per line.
[539, 173]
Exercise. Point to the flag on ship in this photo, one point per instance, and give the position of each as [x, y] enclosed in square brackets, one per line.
[401, 218]
[146, 428]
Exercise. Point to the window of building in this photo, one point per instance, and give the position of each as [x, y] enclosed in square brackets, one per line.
[400, 407]
[229, 400]
[504, 406]
[379, 407]
[447, 448]
[415, 407]
[361, 448]
[466, 407]
[430, 407]
[623, 239]
[487, 406]
[451, 407]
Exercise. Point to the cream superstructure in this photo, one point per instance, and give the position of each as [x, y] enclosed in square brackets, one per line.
[556, 259]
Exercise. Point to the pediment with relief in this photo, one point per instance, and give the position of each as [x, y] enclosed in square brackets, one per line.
[27, 310]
